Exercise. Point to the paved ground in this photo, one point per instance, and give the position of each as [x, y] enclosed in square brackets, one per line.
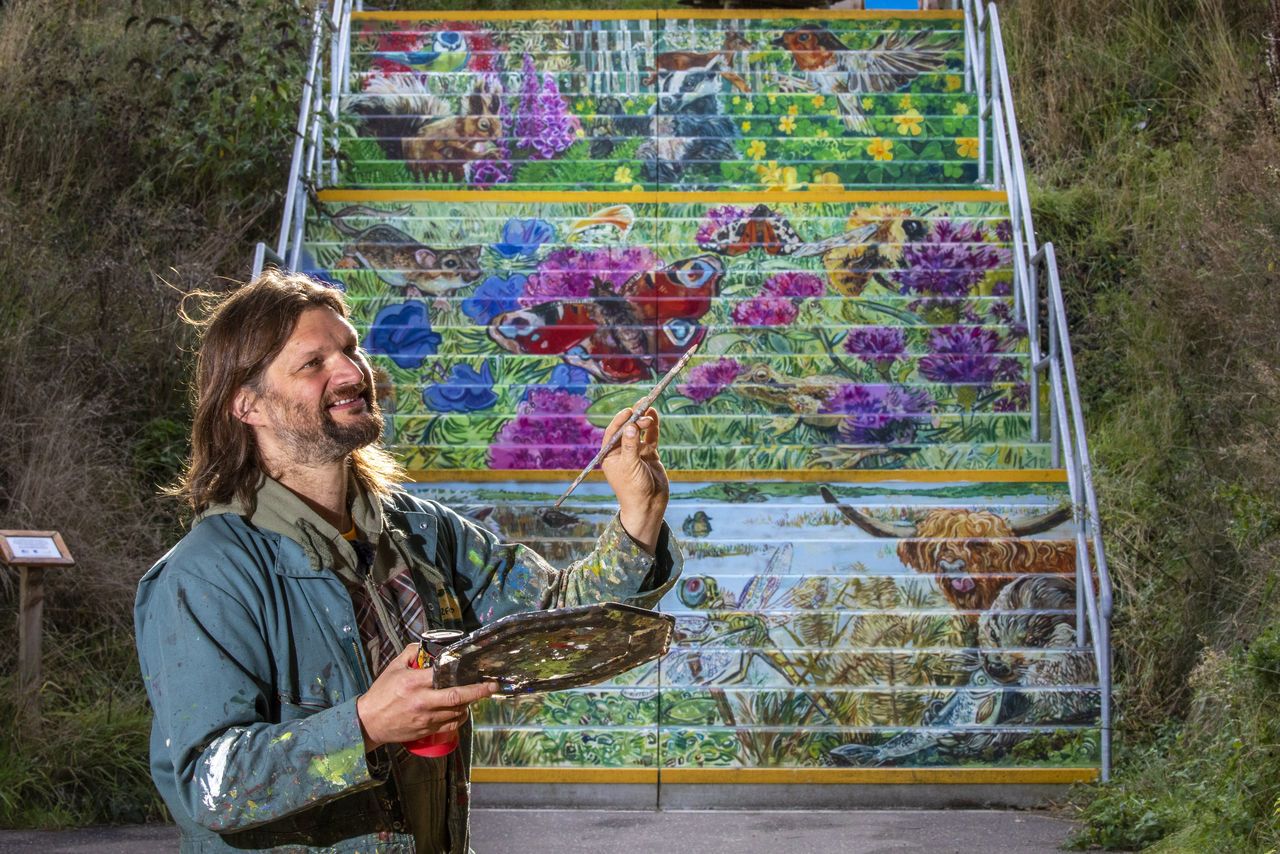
[685, 832]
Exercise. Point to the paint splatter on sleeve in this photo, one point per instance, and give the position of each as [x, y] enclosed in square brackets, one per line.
[231, 769]
[495, 578]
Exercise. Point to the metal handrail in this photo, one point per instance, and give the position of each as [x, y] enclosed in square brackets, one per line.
[1035, 265]
[317, 108]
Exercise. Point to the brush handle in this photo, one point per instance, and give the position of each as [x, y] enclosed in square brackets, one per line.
[637, 411]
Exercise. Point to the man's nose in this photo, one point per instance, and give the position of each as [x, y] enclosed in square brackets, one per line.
[348, 371]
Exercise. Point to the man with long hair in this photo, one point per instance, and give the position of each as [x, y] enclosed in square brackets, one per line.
[271, 635]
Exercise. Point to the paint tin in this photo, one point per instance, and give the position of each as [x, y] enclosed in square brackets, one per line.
[429, 646]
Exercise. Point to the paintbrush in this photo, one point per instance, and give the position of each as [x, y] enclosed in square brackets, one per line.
[641, 407]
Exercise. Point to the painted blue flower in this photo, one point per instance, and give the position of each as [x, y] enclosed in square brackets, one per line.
[494, 296]
[570, 378]
[565, 378]
[523, 237]
[464, 391]
[403, 332]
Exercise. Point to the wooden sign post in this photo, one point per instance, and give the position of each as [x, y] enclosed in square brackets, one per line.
[30, 552]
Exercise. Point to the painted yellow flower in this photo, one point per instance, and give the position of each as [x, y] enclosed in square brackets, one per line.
[818, 101]
[749, 107]
[787, 125]
[779, 178]
[737, 99]
[823, 133]
[868, 103]
[954, 82]
[904, 103]
[909, 123]
[637, 188]
[756, 149]
[746, 126]
[622, 175]
[579, 132]
[793, 110]
[628, 104]
[880, 149]
[826, 181]
[967, 147]
[773, 99]
[961, 109]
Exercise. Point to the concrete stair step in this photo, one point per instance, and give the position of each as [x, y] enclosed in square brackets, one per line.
[773, 457]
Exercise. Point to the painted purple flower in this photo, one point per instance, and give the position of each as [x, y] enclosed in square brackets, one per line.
[1001, 311]
[878, 345]
[403, 332]
[709, 379]
[1002, 288]
[494, 296]
[794, 284]
[464, 391]
[571, 273]
[526, 117]
[967, 354]
[1004, 231]
[559, 129]
[487, 173]
[550, 431]
[1017, 400]
[716, 219]
[879, 414]
[544, 123]
[765, 310]
[949, 262]
[523, 237]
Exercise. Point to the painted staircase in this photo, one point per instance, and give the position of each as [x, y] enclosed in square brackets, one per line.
[878, 484]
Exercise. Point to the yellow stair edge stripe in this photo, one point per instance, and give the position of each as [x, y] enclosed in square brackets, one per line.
[662, 14]
[788, 776]
[712, 197]
[563, 476]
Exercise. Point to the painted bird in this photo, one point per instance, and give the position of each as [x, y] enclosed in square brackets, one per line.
[832, 68]
[448, 52]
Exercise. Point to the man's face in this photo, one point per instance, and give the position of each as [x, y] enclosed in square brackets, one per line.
[316, 402]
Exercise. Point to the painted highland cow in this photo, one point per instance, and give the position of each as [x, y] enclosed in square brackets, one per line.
[972, 553]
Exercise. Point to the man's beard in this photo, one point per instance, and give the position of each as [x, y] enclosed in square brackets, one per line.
[311, 437]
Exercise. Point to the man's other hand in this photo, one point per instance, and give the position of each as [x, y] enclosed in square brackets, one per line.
[403, 705]
[637, 477]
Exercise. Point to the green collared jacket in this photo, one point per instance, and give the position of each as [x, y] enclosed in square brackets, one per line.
[253, 662]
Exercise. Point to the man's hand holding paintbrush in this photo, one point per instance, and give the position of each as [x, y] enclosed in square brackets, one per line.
[636, 475]
[631, 465]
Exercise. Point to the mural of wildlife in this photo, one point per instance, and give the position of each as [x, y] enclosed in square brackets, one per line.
[972, 553]
[880, 554]
[634, 103]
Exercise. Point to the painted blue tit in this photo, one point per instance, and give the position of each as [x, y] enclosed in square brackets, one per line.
[448, 53]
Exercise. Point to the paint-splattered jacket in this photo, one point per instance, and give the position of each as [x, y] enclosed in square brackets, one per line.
[253, 663]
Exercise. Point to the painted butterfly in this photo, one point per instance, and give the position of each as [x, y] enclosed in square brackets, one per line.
[634, 334]
[763, 229]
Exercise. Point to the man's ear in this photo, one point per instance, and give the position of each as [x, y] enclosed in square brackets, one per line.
[244, 406]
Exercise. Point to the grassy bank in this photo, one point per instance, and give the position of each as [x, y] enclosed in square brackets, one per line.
[1157, 172]
[142, 149]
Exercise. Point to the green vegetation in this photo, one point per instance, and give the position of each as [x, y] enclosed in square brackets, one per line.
[142, 149]
[1150, 130]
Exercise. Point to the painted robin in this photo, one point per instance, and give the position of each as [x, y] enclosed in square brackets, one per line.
[832, 68]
